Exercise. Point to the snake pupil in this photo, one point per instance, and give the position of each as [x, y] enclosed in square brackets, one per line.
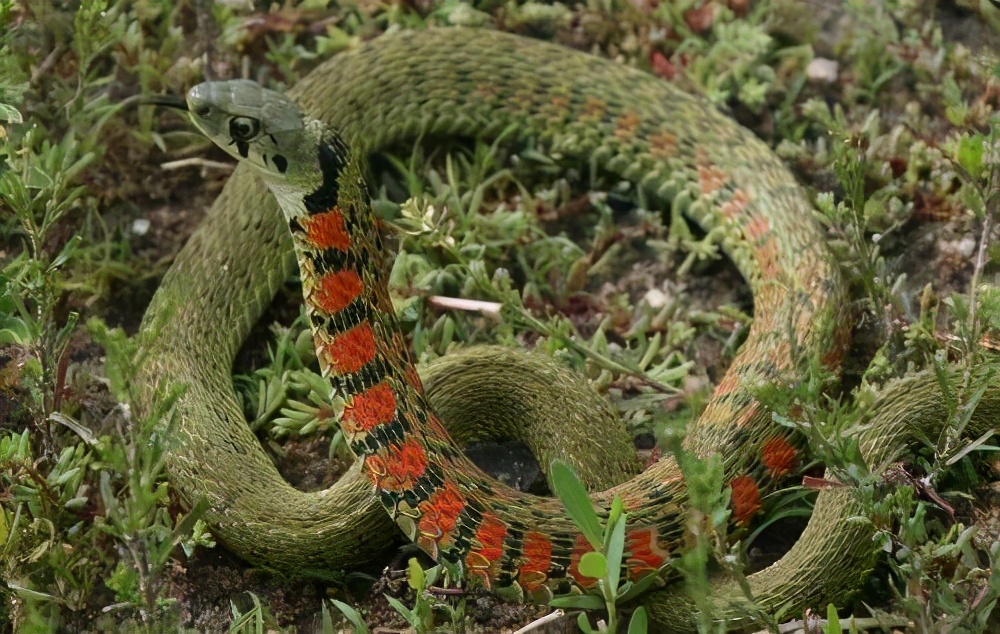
[243, 129]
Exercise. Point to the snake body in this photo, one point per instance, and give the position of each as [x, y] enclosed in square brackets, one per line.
[471, 83]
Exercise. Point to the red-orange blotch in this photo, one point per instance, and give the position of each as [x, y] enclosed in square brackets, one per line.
[537, 551]
[398, 467]
[373, 407]
[350, 351]
[413, 379]
[336, 290]
[645, 555]
[439, 512]
[490, 535]
[746, 499]
[326, 230]
[779, 456]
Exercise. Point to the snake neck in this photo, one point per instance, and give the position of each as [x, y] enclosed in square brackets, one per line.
[339, 250]
[429, 487]
[386, 419]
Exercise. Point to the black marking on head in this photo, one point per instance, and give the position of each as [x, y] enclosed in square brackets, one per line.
[333, 157]
[243, 148]
[282, 164]
[273, 140]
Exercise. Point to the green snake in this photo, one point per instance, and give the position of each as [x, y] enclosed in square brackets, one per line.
[476, 84]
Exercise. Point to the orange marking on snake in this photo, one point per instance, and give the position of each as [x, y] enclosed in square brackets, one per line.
[336, 290]
[412, 377]
[490, 535]
[767, 256]
[779, 456]
[756, 228]
[710, 178]
[350, 351]
[745, 500]
[435, 429]
[748, 415]
[375, 406]
[580, 548]
[594, 108]
[326, 230]
[736, 205]
[537, 550]
[645, 555]
[439, 514]
[626, 125]
[662, 144]
[397, 467]
[728, 384]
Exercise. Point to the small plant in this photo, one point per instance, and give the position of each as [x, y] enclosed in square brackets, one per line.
[352, 615]
[421, 616]
[426, 605]
[257, 620]
[287, 397]
[135, 511]
[604, 562]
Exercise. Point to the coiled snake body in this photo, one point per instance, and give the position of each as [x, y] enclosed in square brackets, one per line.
[473, 83]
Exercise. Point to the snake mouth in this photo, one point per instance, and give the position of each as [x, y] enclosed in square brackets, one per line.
[170, 101]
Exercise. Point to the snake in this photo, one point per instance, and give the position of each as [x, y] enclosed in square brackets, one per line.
[301, 189]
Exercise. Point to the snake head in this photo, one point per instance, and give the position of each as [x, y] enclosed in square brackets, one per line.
[257, 126]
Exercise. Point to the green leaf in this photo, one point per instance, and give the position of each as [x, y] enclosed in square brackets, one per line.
[832, 619]
[431, 575]
[970, 154]
[639, 587]
[593, 564]
[583, 623]
[404, 611]
[616, 511]
[976, 445]
[327, 620]
[415, 575]
[26, 592]
[574, 497]
[360, 627]
[639, 624]
[10, 113]
[616, 546]
[578, 602]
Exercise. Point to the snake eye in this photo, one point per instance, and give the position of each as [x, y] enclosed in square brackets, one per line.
[243, 129]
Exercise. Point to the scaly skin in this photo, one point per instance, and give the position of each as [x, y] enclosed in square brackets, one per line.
[478, 83]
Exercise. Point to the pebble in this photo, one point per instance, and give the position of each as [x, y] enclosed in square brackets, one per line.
[822, 70]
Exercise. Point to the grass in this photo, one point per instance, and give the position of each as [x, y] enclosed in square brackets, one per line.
[908, 134]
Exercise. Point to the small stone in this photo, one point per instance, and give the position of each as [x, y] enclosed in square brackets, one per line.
[140, 226]
[822, 70]
[966, 247]
[656, 298]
